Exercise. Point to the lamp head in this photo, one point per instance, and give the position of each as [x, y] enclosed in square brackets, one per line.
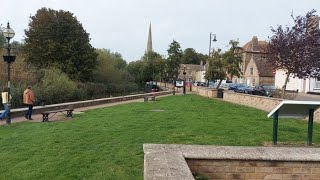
[8, 32]
[214, 38]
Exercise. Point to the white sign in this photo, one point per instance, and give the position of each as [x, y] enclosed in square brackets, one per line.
[179, 83]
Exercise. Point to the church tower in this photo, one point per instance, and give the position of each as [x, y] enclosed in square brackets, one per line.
[149, 45]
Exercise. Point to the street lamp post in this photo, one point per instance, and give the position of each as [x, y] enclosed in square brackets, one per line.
[8, 33]
[174, 85]
[184, 82]
[211, 40]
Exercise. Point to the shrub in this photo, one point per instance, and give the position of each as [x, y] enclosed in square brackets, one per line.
[55, 87]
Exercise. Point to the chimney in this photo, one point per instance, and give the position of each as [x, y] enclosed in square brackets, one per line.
[255, 44]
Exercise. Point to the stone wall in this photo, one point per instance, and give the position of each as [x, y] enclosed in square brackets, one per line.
[246, 169]
[258, 102]
[173, 161]
[78, 104]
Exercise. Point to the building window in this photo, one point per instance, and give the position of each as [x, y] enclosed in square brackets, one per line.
[317, 83]
[253, 81]
[251, 71]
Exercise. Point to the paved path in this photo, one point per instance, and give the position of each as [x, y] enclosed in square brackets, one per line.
[307, 97]
[59, 116]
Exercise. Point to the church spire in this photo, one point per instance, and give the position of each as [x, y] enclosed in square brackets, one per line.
[149, 45]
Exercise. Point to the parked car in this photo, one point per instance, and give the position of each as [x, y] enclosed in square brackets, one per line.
[232, 86]
[264, 90]
[248, 90]
[154, 88]
[240, 88]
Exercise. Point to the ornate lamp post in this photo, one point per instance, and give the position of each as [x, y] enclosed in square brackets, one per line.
[8, 33]
[211, 40]
[184, 82]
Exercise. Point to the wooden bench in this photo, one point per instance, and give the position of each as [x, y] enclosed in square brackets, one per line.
[45, 115]
[152, 98]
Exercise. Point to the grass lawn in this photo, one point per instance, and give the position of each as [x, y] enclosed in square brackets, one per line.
[107, 143]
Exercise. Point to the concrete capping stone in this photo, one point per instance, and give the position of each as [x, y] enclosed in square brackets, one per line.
[79, 104]
[167, 161]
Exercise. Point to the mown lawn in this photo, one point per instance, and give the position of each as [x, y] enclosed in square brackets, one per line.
[107, 143]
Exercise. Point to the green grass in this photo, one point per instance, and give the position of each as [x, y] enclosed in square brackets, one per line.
[107, 143]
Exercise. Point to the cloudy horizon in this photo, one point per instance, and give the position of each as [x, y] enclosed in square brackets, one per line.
[122, 25]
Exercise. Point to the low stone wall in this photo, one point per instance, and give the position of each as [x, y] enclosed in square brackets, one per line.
[258, 102]
[207, 92]
[78, 104]
[246, 169]
[163, 161]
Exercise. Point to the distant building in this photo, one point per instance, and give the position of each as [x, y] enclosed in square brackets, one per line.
[254, 67]
[194, 72]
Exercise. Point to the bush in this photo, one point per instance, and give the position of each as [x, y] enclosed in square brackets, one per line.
[54, 87]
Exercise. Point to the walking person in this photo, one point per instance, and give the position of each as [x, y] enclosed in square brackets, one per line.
[28, 99]
[5, 103]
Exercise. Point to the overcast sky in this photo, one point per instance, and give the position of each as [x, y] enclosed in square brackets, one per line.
[122, 25]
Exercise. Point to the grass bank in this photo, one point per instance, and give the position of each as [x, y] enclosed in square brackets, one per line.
[107, 143]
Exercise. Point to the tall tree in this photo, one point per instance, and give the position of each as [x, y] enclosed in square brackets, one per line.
[153, 66]
[110, 68]
[135, 68]
[216, 68]
[174, 59]
[232, 59]
[190, 56]
[295, 50]
[57, 39]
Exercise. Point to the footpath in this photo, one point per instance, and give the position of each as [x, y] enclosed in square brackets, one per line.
[60, 116]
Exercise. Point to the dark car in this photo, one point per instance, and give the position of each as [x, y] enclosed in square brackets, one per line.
[150, 87]
[154, 88]
[234, 86]
[264, 90]
[248, 90]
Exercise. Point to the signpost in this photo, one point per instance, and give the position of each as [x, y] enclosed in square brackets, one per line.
[294, 110]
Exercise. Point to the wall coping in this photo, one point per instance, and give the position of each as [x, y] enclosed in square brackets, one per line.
[256, 96]
[38, 109]
[167, 161]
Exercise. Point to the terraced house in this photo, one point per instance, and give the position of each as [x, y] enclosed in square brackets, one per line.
[254, 67]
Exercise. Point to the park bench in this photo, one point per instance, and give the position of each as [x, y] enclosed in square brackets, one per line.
[152, 98]
[45, 115]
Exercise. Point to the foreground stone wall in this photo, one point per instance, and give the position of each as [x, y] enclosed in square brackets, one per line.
[164, 161]
[246, 169]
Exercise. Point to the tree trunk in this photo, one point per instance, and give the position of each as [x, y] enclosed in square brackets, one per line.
[219, 84]
[285, 85]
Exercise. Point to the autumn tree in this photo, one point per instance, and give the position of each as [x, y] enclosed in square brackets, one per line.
[174, 59]
[216, 67]
[57, 39]
[294, 49]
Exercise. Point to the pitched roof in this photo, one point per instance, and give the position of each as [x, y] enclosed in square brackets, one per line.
[252, 47]
[194, 67]
[257, 49]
